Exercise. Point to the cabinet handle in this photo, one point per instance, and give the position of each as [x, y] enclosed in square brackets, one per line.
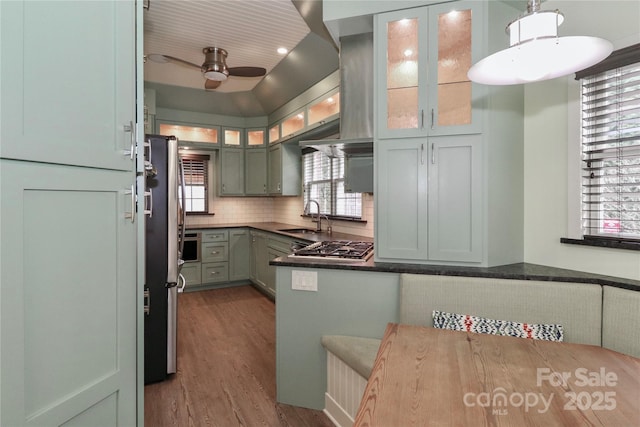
[214, 252]
[421, 119]
[422, 154]
[432, 118]
[223, 188]
[131, 151]
[213, 273]
[131, 215]
[433, 154]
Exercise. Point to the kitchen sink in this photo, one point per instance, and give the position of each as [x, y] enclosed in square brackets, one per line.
[299, 231]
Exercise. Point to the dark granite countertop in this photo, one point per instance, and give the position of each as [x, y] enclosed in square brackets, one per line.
[519, 271]
[276, 227]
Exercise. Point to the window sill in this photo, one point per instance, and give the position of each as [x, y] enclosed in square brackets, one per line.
[602, 243]
[200, 214]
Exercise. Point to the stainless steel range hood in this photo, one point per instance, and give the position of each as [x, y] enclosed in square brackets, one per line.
[356, 100]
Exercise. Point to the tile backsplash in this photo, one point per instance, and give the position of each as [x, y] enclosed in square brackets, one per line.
[237, 210]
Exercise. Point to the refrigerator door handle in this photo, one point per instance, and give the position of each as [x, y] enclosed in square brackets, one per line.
[183, 204]
[184, 283]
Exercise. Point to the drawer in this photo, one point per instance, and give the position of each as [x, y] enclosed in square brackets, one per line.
[215, 252]
[280, 245]
[215, 235]
[215, 272]
[191, 273]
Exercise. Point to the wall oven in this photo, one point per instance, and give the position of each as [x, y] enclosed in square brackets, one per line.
[192, 245]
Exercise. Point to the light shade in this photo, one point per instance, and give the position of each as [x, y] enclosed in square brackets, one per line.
[216, 75]
[537, 53]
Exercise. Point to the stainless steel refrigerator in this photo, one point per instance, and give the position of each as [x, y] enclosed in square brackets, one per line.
[164, 195]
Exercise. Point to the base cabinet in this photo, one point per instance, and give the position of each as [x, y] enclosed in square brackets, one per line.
[259, 259]
[191, 271]
[234, 255]
[239, 254]
[429, 206]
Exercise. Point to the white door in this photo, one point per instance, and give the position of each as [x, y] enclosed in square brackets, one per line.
[67, 249]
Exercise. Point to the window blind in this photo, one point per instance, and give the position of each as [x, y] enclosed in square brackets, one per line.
[611, 153]
[196, 181]
[324, 183]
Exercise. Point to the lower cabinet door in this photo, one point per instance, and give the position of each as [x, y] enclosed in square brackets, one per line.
[68, 296]
[191, 271]
[215, 272]
[401, 201]
[455, 198]
[239, 254]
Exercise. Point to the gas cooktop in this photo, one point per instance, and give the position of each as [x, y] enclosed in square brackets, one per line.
[344, 250]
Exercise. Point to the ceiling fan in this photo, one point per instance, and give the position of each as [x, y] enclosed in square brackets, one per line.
[214, 68]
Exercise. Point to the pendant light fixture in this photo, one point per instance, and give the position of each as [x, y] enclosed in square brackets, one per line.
[536, 52]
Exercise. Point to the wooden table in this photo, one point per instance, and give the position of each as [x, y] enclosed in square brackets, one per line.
[427, 377]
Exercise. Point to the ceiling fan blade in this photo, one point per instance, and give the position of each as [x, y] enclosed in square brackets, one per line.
[247, 71]
[211, 84]
[163, 59]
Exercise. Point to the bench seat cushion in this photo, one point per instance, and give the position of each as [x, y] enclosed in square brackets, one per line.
[357, 352]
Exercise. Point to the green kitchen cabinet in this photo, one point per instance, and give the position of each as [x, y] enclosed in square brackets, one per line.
[214, 256]
[421, 76]
[448, 152]
[256, 172]
[192, 273]
[239, 254]
[358, 174]
[455, 213]
[285, 170]
[215, 272]
[87, 118]
[429, 199]
[401, 200]
[233, 137]
[231, 172]
[259, 259]
[276, 247]
[255, 137]
[71, 299]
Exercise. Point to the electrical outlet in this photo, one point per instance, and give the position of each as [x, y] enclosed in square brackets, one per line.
[304, 280]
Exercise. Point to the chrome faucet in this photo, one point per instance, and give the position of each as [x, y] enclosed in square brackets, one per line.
[307, 210]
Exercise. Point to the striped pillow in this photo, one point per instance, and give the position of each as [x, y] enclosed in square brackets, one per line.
[481, 325]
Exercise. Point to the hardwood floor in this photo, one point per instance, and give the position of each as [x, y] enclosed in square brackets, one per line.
[226, 366]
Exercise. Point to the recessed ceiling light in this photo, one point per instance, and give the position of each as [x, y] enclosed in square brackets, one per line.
[283, 50]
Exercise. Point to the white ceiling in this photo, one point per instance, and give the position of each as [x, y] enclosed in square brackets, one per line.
[249, 30]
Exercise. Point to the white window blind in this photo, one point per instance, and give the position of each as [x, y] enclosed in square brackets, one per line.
[611, 152]
[324, 183]
[196, 182]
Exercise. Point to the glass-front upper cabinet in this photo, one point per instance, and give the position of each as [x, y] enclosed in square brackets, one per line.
[255, 138]
[423, 56]
[455, 38]
[274, 134]
[293, 124]
[191, 134]
[323, 110]
[232, 137]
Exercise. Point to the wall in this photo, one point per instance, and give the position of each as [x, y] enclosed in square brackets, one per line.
[238, 210]
[550, 132]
